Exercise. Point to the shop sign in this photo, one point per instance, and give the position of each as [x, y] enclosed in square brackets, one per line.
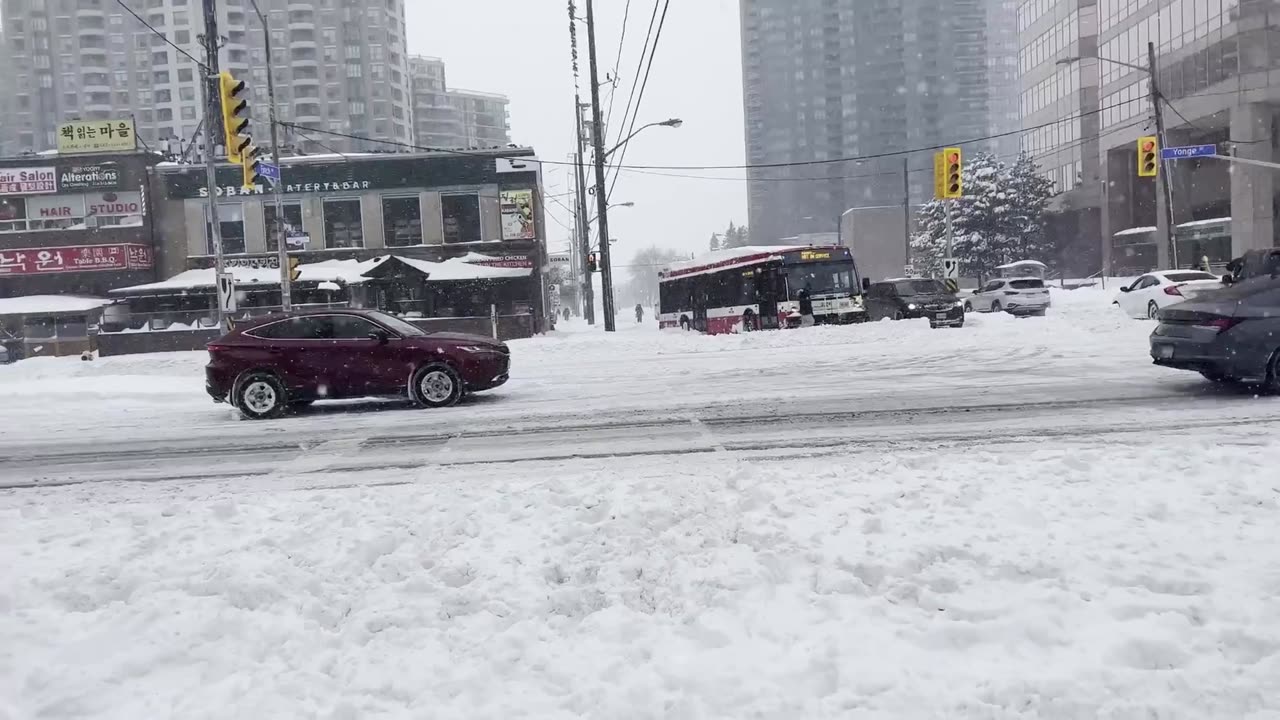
[115, 204]
[92, 136]
[505, 261]
[78, 258]
[55, 207]
[28, 180]
[256, 263]
[326, 187]
[517, 215]
[100, 176]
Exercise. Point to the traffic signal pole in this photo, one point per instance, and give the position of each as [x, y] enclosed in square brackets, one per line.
[1165, 187]
[212, 124]
[286, 294]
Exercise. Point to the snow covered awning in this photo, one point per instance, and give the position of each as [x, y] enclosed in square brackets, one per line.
[50, 304]
[347, 272]
[458, 270]
[1204, 223]
[1135, 231]
[1023, 264]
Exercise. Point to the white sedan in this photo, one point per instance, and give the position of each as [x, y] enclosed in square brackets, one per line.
[1153, 291]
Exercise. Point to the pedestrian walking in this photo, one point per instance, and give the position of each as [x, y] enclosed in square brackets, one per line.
[639, 313]
[806, 309]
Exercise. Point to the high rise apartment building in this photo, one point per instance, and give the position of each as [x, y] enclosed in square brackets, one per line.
[831, 79]
[451, 118]
[1216, 61]
[339, 67]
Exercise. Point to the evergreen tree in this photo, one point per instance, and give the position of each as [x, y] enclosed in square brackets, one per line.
[715, 242]
[1001, 218]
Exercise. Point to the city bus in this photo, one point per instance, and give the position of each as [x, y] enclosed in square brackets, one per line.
[758, 288]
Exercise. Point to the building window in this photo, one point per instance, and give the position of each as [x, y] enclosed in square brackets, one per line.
[231, 225]
[292, 222]
[461, 217]
[402, 221]
[13, 214]
[342, 226]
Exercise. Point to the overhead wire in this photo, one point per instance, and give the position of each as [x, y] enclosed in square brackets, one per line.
[635, 80]
[635, 114]
[617, 63]
[161, 35]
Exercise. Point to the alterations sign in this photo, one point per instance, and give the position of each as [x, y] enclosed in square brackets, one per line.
[99, 176]
[95, 136]
[28, 180]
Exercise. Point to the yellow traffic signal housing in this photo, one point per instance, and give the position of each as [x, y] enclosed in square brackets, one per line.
[1148, 156]
[295, 271]
[953, 173]
[235, 115]
[250, 163]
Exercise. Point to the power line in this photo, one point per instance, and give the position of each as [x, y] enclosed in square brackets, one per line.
[635, 80]
[617, 63]
[161, 35]
[640, 97]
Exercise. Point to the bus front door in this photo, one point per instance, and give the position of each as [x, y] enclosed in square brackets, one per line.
[770, 288]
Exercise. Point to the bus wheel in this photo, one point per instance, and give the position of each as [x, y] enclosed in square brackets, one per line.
[749, 321]
[684, 324]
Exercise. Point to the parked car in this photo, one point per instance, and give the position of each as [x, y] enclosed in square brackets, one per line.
[915, 298]
[1017, 296]
[1155, 291]
[280, 361]
[1230, 335]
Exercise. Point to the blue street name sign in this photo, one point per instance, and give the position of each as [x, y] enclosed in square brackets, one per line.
[269, 171]
[1186, 152]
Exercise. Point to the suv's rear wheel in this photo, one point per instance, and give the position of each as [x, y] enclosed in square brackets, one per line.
[997, 307]
[436, 385]
[261, 396]
[1273, 374]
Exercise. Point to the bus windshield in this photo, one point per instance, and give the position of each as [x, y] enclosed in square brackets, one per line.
[818, 278]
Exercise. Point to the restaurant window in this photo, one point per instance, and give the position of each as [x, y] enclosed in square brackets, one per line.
[402, 220]
[231, 225]
[342, 226]
[13, 214]
[461, 216]
[292, 221]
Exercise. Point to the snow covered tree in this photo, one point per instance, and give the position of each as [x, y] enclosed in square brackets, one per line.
[1001, 218]
[715, 242]
[642, 285]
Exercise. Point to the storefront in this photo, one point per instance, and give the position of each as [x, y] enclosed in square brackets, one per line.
[74, 225]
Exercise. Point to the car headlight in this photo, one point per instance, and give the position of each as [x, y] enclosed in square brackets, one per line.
[960, 303]
[912, 306]
[475, 349]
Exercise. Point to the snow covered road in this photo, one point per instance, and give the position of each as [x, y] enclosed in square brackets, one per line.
[1017, 519]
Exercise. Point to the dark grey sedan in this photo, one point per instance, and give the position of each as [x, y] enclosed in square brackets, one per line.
[1227, 335]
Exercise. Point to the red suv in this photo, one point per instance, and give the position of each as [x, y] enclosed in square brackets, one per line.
[279, 361]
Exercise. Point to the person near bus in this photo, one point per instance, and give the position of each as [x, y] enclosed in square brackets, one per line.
[639, 313]
[806, 308]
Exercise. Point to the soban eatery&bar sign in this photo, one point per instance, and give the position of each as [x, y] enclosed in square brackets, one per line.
[78, 258]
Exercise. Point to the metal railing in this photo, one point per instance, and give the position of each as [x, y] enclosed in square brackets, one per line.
[180, 320]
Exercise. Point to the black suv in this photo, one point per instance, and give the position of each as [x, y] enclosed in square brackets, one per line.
[915, 298]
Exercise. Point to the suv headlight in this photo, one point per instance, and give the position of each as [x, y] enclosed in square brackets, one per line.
[476, 349]
[911, 306]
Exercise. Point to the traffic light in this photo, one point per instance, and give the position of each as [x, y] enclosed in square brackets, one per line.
[294, 270]
[591, 262]
[235, 115]
[953, 172]
[251, 164]
[1148, 156]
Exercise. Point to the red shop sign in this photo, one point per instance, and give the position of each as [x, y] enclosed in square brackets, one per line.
[78, 258]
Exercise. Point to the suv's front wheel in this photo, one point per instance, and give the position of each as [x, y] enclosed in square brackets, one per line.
[436, 385]
[261, 396]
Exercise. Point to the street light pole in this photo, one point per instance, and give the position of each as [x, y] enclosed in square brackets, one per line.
[286, 293]
[212, 122]
[602, 202]
[1165, 186]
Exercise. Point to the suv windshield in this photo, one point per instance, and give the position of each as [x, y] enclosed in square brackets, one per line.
[920, 287]
[818, 278]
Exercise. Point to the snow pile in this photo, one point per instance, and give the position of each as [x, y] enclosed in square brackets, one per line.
[36, 304]
[1079, 579]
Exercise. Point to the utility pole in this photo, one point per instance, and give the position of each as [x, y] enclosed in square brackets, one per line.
[584, 224]
[906, 206]
[212, 125]
[286, 294]
[1165, 186]
[602, 200]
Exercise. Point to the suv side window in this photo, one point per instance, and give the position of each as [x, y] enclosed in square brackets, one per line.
[299, 328]
[993, 285]
[350, 327]
[881, 290]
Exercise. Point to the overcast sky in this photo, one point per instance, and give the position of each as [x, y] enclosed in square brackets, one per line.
[520, 48]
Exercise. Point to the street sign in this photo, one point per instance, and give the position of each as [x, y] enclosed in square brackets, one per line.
[1186, 152]
[950, 269]
[227, 292]
[269, 171]
[298, 241]
[909, 270]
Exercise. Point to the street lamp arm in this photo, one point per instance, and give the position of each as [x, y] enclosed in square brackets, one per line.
[666, 123]
[1121, 63]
